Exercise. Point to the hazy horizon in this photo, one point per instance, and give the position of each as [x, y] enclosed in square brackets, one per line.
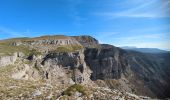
[139, 23]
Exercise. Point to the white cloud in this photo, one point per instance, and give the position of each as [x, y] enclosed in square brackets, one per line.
[147, 9]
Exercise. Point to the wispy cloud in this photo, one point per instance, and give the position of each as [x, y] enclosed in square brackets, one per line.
[147, 9]
[74, 12]
[12, 33]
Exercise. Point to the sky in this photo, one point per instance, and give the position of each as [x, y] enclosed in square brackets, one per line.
[140, 23]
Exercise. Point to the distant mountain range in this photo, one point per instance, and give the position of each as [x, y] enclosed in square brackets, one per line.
[144, 50]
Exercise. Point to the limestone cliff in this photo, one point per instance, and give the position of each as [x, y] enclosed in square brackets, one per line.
[66, 67]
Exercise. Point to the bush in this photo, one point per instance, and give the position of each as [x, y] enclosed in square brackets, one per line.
[74, 88]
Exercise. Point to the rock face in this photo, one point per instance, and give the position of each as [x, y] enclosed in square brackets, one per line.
[66, 65]
[105, 62]
[56, 68]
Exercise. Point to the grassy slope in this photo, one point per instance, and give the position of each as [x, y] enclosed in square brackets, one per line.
[7, 49]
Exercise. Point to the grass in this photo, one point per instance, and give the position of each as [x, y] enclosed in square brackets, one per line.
[7, 49]
[75, 88]
[34, 52]
[12, 88]
[18, 87]
[6, 70]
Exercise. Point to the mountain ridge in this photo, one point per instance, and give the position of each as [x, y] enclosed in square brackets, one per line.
[84, 61]
[145, 50]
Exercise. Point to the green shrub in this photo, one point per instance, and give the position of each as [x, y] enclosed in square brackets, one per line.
[72, 89]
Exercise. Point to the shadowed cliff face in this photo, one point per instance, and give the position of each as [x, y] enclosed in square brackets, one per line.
[106, 62]
[146, 71]
[151, 69]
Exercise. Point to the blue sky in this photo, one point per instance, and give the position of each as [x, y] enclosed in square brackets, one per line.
[140, 23]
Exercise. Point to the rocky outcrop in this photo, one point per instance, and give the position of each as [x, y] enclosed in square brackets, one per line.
[87, 41]
[26, 72]
[7, 60]
[68, 41]
[46, 40]
[66, 67]
[58, 68]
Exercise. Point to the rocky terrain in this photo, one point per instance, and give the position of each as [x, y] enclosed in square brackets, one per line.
[78, 67]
